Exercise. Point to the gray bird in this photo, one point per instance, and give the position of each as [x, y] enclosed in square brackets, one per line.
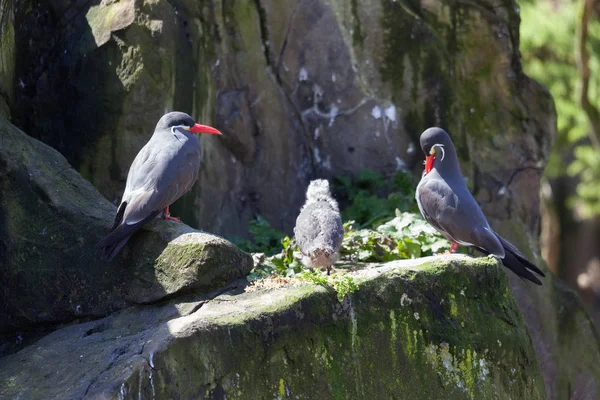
[449, 207]
[319, 231]
[163, 171]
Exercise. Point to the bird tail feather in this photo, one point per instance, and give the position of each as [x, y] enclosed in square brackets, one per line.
[119, 216]
[114, 242]
[518, 263]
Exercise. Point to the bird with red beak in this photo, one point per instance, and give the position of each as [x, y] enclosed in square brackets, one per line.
[163, 171]
[446, 203]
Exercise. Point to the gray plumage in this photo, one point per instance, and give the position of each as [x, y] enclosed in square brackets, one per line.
[446, 203]
[164, 169]
[319, 231]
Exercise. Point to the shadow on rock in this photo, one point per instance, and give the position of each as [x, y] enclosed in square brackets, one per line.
[50, 221]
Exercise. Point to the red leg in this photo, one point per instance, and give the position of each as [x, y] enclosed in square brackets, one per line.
[167, 215]
[454, 247]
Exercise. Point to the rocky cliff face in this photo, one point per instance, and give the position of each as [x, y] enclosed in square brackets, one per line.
[300, 89]
[50, 221]
[428, 329]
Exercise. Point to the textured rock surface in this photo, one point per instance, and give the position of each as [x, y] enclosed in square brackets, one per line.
[97, 76]
[7, 56]
[439, 328]
[51, 218]
[306, 88]
[300, 89]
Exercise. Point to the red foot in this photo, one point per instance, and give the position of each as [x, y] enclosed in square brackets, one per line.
[167, 216]
[453, 247]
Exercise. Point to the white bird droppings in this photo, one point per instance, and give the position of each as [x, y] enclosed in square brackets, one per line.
[317, 155]
[327, 163]
[376, 112]
[400, 165]
[303, 74]
[405, 299]
[333, 112]
[484, 369]
[390, 113]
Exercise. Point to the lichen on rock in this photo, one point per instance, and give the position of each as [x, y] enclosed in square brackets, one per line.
[51, 220]
[300, 341]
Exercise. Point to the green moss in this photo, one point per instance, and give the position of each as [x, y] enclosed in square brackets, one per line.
[358, 37]
[181, 255]
[395, 336]
[100, 19]
[7, 59]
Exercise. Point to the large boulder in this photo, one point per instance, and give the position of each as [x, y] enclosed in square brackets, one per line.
[306, 88]
[50, 220]
[438, 328]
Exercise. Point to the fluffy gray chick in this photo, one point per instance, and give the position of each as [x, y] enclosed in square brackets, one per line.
[319, 231]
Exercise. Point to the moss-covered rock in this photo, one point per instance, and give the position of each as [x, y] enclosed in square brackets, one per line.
[444, 327]
[7, 56]
[98, 75]
[300, 89]
[50, 220]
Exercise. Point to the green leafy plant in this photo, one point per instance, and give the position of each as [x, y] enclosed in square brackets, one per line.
[264, 238]
[371, 200]
[405, 236]
[341, 284]
[587, 167]
[282, 263]
[548, 39]
[344, 285]
[388, 228]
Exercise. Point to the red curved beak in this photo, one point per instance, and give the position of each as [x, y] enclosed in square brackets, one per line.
[429, 163]
[197, 128]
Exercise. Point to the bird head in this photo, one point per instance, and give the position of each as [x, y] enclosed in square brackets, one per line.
[318, 189]
[435, 143]
[174, 120]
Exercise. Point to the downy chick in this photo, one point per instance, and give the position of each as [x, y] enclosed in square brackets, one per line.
[319, 231]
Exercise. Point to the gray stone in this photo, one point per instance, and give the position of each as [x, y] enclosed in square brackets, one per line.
[300, 89]
[445, 327]
[52, 218]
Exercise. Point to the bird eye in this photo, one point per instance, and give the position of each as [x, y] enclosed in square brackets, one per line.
[441, 147]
